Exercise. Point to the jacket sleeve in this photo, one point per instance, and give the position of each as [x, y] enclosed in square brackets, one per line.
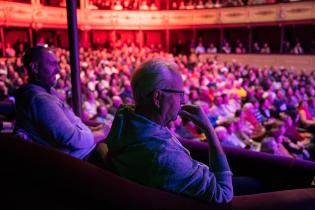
[57, 126]
[179, 173]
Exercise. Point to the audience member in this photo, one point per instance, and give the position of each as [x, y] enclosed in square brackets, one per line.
[212, 49]
[226, 48]
[256, 48]
[240, 49]
[273, 144]
[200, 49]
[41, 116]
[265, 49]
[286, 47]
[298, 49]
[306, 118]
[158, 92]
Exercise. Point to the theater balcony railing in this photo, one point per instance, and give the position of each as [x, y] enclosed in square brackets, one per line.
[38, 16]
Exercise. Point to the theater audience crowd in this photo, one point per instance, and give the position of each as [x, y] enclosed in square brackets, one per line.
[270, 109]
[175, 4]
[160, 5]
[239, 48]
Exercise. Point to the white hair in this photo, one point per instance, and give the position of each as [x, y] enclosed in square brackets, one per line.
[220, 129]
[248, 106]
[156, 73]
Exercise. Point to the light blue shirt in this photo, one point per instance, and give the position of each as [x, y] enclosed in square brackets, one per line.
[147, 153]
[47, 120]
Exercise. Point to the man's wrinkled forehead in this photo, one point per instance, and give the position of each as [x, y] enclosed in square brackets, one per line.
[174, 78]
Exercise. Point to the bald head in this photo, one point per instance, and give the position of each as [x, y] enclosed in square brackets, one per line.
[153, 74]
[33, 54]
[41, 65]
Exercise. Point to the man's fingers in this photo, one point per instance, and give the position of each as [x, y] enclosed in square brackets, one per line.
[186, 114]
[190, 108]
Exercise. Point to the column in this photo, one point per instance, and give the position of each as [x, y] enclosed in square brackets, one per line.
[85, 38]
[194, 39]
[35, 2]
[30, 37]
[221, 39]
[281, 38]
[167, 40]
[74, 57]
[113, 36]
[140, 38]
[2, 41]
[250, 39]
[84, 4]
[167, 4]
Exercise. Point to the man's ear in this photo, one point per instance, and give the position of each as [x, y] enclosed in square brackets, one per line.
[34, 67]
[157, 94]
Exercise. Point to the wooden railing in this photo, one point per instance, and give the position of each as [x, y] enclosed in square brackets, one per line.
[38, 16]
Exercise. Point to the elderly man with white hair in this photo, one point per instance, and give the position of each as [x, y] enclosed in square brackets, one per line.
[142, 148]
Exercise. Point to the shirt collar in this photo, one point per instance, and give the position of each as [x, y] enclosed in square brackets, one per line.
[46, 87]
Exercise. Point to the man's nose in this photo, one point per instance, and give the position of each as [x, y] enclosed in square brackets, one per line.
[182, 100]
[57, 69]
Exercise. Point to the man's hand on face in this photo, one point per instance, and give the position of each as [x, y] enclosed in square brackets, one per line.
[196, 115]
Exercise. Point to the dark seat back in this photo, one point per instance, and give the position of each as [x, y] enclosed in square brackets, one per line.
[276, 173]
[35, 177]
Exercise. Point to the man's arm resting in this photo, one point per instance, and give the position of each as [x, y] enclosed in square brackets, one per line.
[53, 123]
[181, 174]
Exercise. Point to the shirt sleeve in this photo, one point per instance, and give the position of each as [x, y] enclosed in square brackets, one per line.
[179, 173]
[54, 124]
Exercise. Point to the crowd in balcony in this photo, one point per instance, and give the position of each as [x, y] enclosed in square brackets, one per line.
[174, 4]
[180, 48]
[123, 5]
[206, 4]
[270, 109]
[160, 5]
[238, 48]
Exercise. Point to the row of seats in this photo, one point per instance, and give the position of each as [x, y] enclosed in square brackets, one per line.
[35, 177]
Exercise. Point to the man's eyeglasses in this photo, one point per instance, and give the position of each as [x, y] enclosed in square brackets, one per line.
[180, 92]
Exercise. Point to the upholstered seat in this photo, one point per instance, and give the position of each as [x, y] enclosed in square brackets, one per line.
[35, 177]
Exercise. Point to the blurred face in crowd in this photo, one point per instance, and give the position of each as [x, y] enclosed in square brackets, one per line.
[103, 111]
[222, 133]
[289, 92]
[193, 95]
[117, 101]
[91, 96]
[266, 103]
[218, 100]
[225, 99]
[280, 94]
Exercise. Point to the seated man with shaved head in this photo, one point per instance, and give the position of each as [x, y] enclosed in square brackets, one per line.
[41, 116]
[142, 148]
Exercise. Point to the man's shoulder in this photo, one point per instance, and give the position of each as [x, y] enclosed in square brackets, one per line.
[26, 93]
[30, 90]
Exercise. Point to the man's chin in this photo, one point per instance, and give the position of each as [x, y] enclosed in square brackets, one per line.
[172, 119]
[53, 84]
